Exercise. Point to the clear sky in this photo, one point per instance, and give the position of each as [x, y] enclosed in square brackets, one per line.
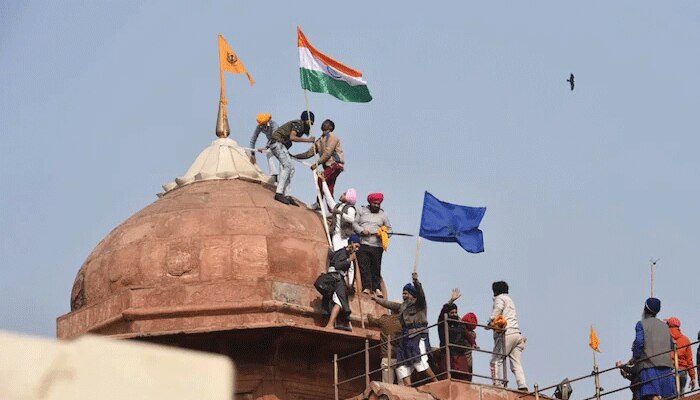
[101, 102]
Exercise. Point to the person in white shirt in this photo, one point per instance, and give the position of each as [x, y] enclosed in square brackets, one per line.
[508, 340]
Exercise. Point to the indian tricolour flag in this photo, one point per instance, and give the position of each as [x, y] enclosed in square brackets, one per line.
[322, 74]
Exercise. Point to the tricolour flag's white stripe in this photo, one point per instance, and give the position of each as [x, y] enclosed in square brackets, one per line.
[307, 61]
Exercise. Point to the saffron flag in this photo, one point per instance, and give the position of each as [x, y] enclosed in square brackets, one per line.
[230, 62]
[594, 342]
[322, 74]
[445, 222]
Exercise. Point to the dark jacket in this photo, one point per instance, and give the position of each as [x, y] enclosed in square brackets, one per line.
[412, 313]
[456, 329]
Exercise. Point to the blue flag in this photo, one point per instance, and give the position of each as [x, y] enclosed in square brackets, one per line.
[445, 222]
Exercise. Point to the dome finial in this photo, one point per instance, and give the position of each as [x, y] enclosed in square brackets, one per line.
[222, 129]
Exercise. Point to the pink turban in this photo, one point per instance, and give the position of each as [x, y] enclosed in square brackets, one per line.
[375, 198]
[351, 196]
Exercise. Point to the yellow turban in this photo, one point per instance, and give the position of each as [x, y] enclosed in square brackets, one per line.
[263, 118]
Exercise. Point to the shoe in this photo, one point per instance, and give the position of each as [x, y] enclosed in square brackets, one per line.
[346, 328]
[279, 197]
[314, 207]
[366, 291]
[379, 293]
[291, 201]
[523, 389]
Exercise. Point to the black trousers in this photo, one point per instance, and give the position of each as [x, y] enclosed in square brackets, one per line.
[370, 260]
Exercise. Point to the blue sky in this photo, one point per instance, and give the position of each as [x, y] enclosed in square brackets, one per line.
[101, 102]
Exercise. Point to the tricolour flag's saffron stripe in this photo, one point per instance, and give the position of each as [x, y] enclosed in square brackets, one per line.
[321, 73]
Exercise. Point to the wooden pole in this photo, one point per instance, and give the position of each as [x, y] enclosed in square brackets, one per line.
[415, 259]
[675, 365]
[335, 375]
[358, 294]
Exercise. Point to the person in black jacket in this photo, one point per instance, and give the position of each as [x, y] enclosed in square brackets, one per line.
[460, 357]
[336, 299]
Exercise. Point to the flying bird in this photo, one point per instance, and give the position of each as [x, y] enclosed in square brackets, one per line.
[571, 81]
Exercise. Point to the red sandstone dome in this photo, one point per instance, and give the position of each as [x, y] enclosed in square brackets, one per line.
[217, 265]
[210, 255]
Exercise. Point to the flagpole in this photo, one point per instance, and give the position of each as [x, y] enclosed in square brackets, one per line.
[415, 259]
[653, 267]
[595, 371]
[221, 77]
[319, 197]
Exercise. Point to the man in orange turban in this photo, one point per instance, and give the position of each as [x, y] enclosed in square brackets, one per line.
[265, 126]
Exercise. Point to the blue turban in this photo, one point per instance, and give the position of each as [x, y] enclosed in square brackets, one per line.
[653, 305]
[353, 239]
[410, 289]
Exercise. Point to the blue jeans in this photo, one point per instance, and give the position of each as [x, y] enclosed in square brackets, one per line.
[287, 169]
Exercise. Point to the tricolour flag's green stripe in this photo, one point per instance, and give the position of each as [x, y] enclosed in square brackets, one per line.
[317, 81]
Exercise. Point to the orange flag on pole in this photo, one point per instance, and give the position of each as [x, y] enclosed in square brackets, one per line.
[594, 342]
[230, 62]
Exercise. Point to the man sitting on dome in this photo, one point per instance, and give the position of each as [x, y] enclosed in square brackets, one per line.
[335, 293]
[265, 126]
[280, 142]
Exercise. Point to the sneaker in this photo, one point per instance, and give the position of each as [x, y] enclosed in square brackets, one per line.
[279, 197]
[523, 389]
[314, 207]
[291, 201]
[379, 293]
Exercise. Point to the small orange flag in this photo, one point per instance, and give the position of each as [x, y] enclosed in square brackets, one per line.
[594, 341]
[230, 61]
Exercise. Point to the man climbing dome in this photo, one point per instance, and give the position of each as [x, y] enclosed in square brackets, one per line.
[342, 215]
[265, 126]
[331, 157]
[335, 299]
[368, 221]
[280, 142]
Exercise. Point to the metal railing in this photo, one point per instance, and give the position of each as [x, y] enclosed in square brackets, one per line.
[595, 374]
[449, 371]
[391, 343]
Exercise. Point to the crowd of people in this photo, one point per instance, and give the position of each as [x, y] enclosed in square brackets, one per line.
[359, 238]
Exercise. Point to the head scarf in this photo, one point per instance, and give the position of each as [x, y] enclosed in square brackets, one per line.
[351, 196]
[353, 239]
[470, 320]
[652, 305]
[673, 322]
[375, 198]
[410, 289]
[263, 118]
